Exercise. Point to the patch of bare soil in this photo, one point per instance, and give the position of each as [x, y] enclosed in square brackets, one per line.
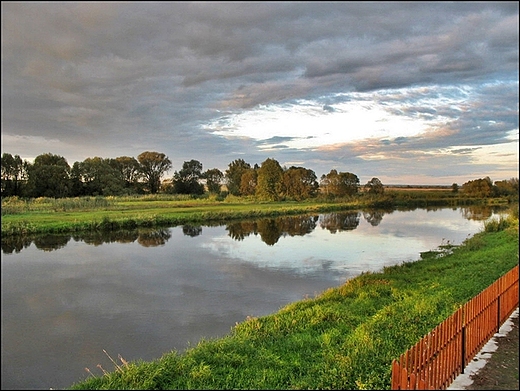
[501, 370]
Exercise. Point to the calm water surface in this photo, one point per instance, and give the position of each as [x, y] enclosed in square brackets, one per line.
[141, 294]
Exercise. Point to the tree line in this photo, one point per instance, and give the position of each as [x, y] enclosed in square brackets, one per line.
[50, 175]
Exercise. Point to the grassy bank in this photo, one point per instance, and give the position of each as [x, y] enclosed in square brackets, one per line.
[345, 338]
[67, 215]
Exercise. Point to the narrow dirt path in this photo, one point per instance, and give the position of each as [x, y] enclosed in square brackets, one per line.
[495, 367]
[501, 371]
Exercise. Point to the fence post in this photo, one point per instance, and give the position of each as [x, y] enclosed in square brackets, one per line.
[463, 346]
[498, 311]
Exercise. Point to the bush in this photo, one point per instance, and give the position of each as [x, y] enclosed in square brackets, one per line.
[496, 225]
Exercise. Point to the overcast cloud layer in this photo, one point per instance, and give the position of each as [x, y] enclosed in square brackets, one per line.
[411, 93]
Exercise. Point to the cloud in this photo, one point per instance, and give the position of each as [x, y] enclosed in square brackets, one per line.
[111, 79]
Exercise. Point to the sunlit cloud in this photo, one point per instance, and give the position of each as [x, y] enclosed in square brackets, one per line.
[306, 125]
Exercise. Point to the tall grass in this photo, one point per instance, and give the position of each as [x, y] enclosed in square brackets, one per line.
[16, 205]
[503, 221]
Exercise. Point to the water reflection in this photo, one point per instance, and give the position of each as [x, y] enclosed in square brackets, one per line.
[270, 230]
[337, 222]
[479, 212]
[192, 230]
[147, 291]
[154, 238]
[373, 217]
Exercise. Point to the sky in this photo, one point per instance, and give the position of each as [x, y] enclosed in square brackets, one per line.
[417, 93]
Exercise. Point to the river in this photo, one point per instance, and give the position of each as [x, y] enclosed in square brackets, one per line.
[139, 294]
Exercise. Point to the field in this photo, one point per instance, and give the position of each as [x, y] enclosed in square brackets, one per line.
[70, 215]
[49, 215]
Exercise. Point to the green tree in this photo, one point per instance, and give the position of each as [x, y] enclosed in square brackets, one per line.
[269, 180]
[76, 186]
[249, 182]
[506, 187]
[48, 176]
[214, 178]
[339, 184]
[152, 166]
[299, 183]
[98, 177]
[128, 171]
[187, 180]
[349, 183]
[455, 188]
[374, 186]
[234, 175]
[14, 173]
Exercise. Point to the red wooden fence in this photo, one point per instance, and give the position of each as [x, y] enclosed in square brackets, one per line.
[439, 357]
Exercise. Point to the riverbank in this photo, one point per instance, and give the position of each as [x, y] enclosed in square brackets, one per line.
[87, 214]
[344, 338]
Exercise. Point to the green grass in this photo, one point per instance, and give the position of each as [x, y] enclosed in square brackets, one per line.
[345, 338]
[42, 215]
[49, 215]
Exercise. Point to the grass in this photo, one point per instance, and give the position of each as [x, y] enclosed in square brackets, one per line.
[68, 215]
[344, 338]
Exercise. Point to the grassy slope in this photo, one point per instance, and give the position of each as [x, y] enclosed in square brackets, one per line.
[345, 338]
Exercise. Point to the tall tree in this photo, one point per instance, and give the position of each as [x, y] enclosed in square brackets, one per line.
[249, 182]
[269, 180]
[99, 177]
[374, 186]
[234, 175]
[49, 176]
[187, 180]
[153, 165]
[214, 179]
[339, 184]
[299, 183]
[13, 173]
[128, 171]
[77, 187]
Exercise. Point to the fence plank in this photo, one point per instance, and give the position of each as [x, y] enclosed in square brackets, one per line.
[395, 379]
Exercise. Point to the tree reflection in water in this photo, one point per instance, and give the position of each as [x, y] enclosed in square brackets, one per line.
[335, 222]
[477, 212]
[154, 238]
[191, 230]
[269, 229]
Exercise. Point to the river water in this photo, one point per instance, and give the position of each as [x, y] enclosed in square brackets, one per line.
[143, 293]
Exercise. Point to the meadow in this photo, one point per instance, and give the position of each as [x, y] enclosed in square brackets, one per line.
[59, 215]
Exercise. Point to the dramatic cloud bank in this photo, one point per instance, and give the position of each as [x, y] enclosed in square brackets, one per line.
[411, 93]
